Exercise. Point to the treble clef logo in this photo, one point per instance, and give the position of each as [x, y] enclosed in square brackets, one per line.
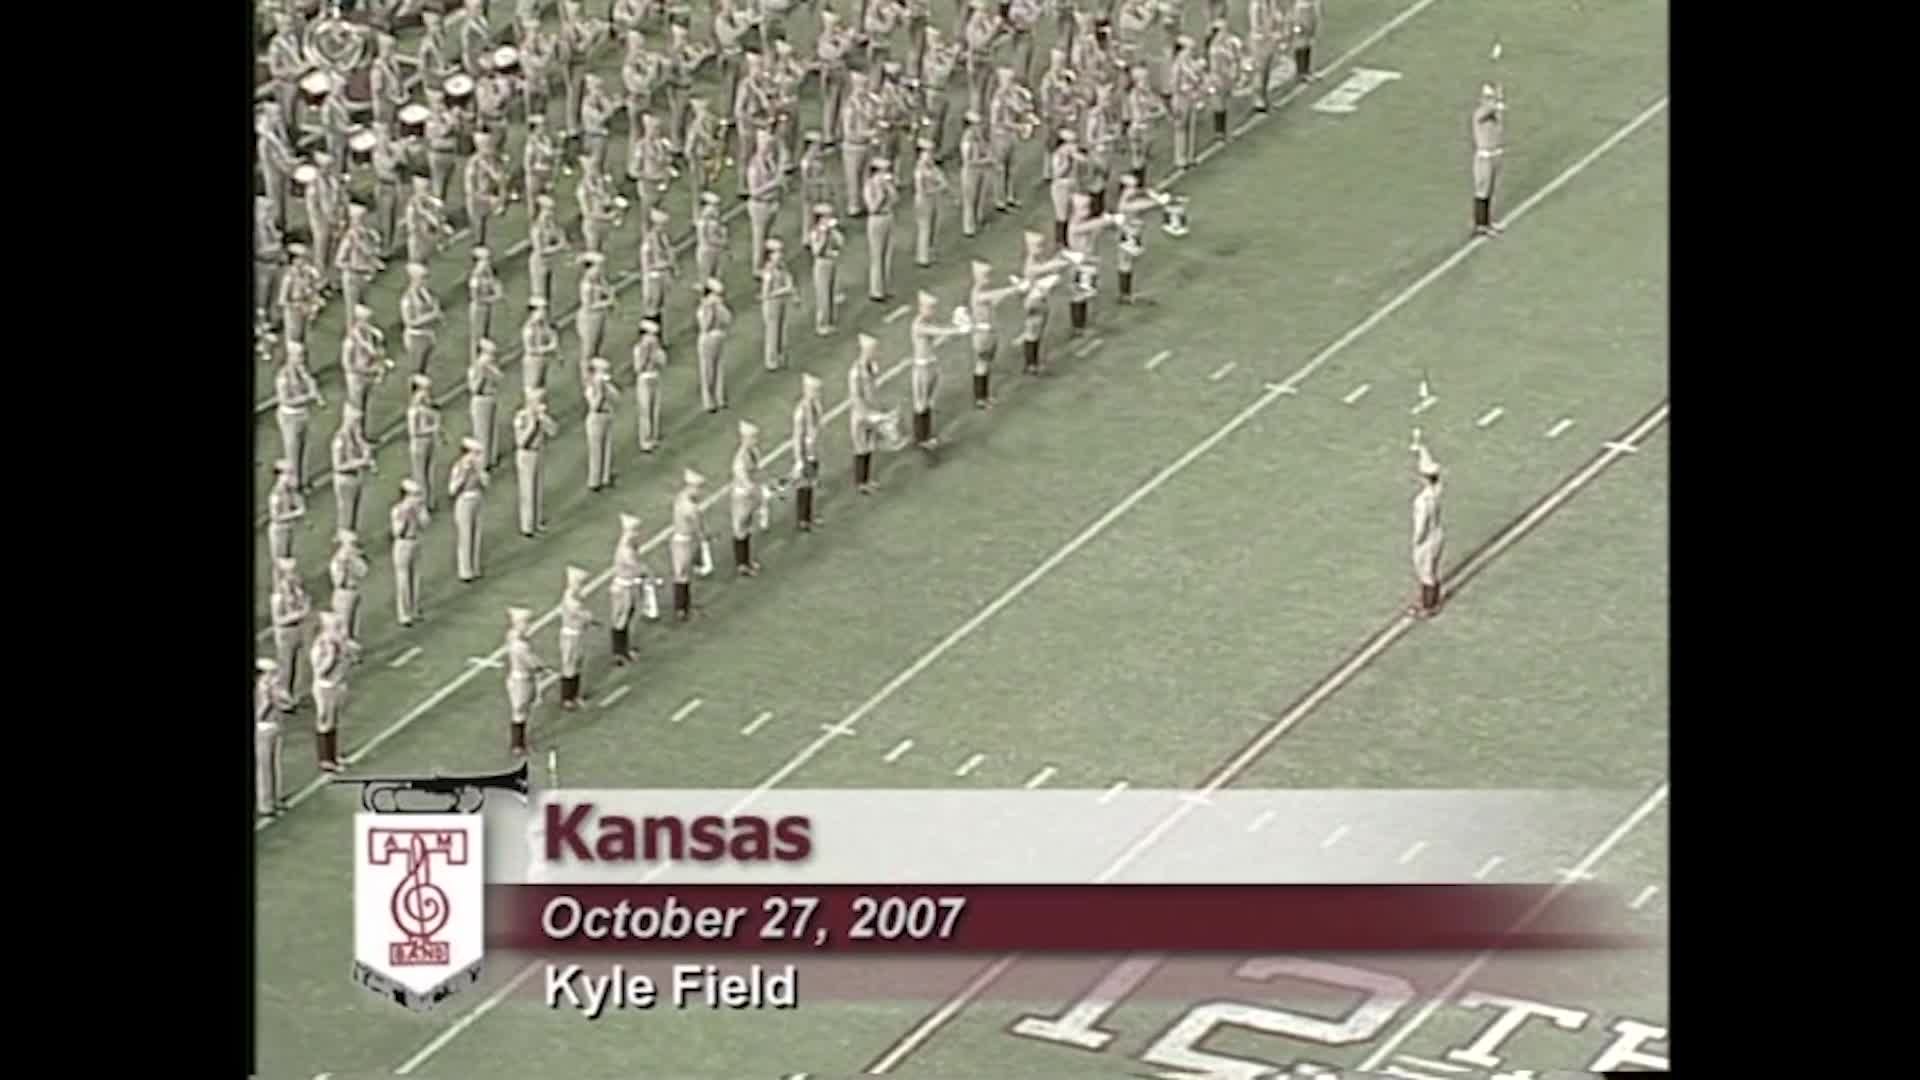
[419, 906]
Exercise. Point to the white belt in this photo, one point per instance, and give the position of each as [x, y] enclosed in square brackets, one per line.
[325, 684]
[628, 582]
[1495, 152]
[568, 631]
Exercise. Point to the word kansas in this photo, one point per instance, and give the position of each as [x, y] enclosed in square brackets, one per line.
[578, 832]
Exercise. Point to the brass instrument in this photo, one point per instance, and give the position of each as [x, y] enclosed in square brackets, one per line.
[461, 794]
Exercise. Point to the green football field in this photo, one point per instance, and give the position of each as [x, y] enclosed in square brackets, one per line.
[1178, 562]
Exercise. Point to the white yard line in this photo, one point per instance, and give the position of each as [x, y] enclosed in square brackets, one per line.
[1560, 427]
[757, 723]
[1640, 901]
[1040, 778]
[1223, 371]
[1425, 404]
[1408, 1074]
[1334, 837]
[895, 315]
[405, 658]
[1265, 819]
[614, 695]
[1487, 867]
[1113, 792]
[478, 662]
[685, 711]
[969, 765]
[1413, 852]
[1354, 395]
[899, 751]
[1624, 447]
[1438, 1066]
[1088, 346]
[1465, 975]
[1159, 358]
[1490, 417]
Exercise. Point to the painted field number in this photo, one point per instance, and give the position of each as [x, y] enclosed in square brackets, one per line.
[1345, 98]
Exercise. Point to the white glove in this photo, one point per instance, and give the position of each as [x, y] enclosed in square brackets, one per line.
[649, 600]
[706, 559]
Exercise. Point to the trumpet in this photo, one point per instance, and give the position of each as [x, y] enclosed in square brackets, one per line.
[461, 794]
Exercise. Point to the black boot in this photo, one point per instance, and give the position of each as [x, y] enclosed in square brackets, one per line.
[1077, 314]
[803, 508]
[1482, 214]
[981, 398]
[923, 427]
[1031, 351]
[1126, 286]
[862, 469]
[1220, 123]
[1302, 63]
[682, 600]
[518, 745]
[619, 637]
[1099, 202]
[1060, 234]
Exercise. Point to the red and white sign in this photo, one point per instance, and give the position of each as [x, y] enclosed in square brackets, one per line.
[419, 905]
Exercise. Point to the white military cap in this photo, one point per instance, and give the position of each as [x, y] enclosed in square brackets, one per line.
[814, 136]
[362, 311]
[1489, 90]
[545, 202]
[296, 249]
[1067, 135]
[416, 270]
[472, 445]
[748, 429]
[422, 382]
[925, 144]
[775, 244]
[1034, 239]
[519, 617]
[982, 269]
[296, 349]
[880, 164]
[283, 467]
[482, 253]
[658, 217]
[487, 345]
[285, 566]
[600, 363]
[715, 285]
[868, 342]
[410, 486]
[329, 621]
[536, 395]
[971, 117]
[709, 198]
[592, 258]
[692, 479]
[823, 210]
[536, 301]
[267, 664]
[348, 408]
[356, 210]
[576, 577]
[1426, 464]
[347, 537]
[809, 382]
[649, 326]
[629, 523]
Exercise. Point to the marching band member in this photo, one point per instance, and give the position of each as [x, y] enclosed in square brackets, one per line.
[1225, 55]
[575, 618]
[407, 522]
[816, 181]
[483, 292]
[537, 158]
[825, 241]
[747, 498]
[831, 47]
[980, 304]
[423, 432]
[1133, 202]
[546, 242]
[640, 72]
[688, 539]
[286, 63]
[632, 583]
[288, 608]
[433, 59]
[596, 303]
[857, 129]
[1096, 144]
[331, 655]
[363, 358]
[443, 142]
[387, 84]
[1141, 107]
[483, 396]
[579, 36]
[683, 61]
[347, 570]
[656, 267]
[1022, 22]
[1083, 237]
[929, 184]
[389, 161]
[336, 121]
[649, 359]
[295, 394]
[532, 427]
[976, 170]
[539, 52]
[980, 34]
[1189, 78]
[600, 208]
[937, 66]
[322, 198]
[730, 26]
[710, 236]
[715, 320]
[426, 221]
[868, 422]
[650, 163]
[880, 193]
[269, 777]
[466, 485]
[286, 508]
[703, 146]
[926, 335]
[352, 456]
[474, 37]
[483, 184]
[1011, 118]
[1429, 539]
[269, 260]
[275, 155]
[420, 317]
[601, 395]
[299, 294]
[1060, 185]
[808, 415]
[1489, 144]
[1038, 276]
[765, 174]
[539, 341]
[524, 667]
[357, 256]
[1267, 32]
[776, 291]
[1303, 26]
[597, 106]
